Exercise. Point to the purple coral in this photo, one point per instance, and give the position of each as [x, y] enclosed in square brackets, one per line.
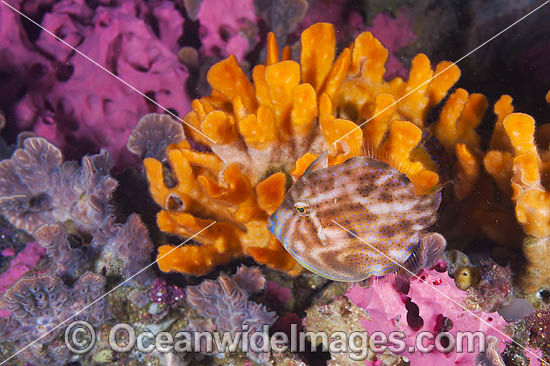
[39, 304]
[38, 188]
[65, 250]
[124, 250]
[61, 204]
[79, 106]
[153, 134]
[88, 289]
[249, 279]
[226, 303]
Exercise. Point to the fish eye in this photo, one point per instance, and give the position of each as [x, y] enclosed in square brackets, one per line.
[301, 208]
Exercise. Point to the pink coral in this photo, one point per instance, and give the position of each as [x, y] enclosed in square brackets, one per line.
[170, 24]
[85, 107]
[394, 33]
[18, 59]
[433, 304]
[224, 27]
[21, 264]
[8, 252]
[347, 22]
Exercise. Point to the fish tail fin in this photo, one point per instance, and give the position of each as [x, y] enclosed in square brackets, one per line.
[428, 251]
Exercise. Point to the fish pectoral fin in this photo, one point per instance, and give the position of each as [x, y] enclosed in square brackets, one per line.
[346, 253]
[335, 236]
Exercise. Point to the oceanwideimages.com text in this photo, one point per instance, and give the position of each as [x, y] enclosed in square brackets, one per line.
[80, 338]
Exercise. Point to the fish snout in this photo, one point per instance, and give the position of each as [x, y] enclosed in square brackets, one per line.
[275, 221]
[271, 222]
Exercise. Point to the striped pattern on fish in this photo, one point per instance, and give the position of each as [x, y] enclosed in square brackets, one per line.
[374, 201]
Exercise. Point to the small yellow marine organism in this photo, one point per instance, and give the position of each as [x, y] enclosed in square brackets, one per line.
[466, 277]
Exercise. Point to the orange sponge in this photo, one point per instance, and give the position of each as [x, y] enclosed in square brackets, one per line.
[264, 132]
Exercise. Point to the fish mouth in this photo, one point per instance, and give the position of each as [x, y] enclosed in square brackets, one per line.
[272, 220]
[270, 224]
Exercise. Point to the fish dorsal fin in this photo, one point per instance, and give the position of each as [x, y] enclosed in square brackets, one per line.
[320, 163]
